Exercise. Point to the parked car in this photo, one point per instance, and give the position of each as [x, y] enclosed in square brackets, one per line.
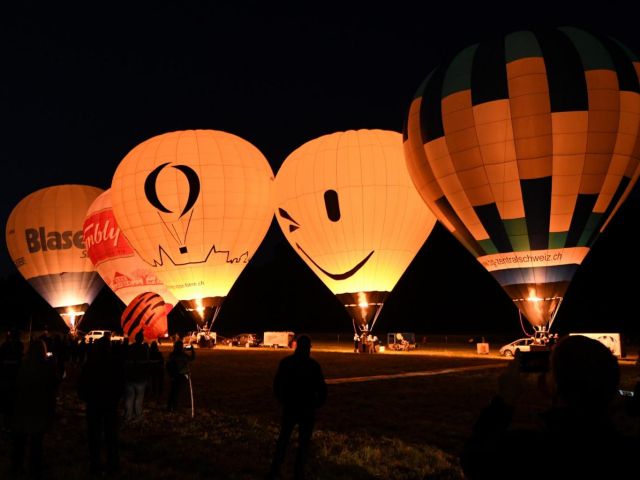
[94, 335]
[246, 340]
[521, 345]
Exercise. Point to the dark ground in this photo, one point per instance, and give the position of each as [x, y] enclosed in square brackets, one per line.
[401, 428]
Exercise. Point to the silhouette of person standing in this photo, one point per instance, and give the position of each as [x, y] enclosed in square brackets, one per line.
[178, 370]
[300, 387]
[577, 433]
[34, 407]
[101, 386]
[136, 375]
[157, 370]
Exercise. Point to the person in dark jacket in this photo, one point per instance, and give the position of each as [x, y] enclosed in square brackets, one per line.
[178, 370]
[101, 386]
[137, 372]
[157, 370]
[300, 387]
[576, 437]
[34, 406]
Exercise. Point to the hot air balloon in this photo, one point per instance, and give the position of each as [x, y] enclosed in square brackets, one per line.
[525, 148]
[114, 259]
[347, 206]
[146, 313]
[195, 206]
[44, 238]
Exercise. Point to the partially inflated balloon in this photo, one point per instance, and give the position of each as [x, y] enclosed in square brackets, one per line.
[44, 238]
[146, 313]
[195, 205]
[524, 148]
[346, 204]
[117, 263]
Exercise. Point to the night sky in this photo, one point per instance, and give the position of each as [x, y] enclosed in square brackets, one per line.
[81, 86]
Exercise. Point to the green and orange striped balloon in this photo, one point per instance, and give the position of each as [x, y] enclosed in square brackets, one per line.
[524, 148]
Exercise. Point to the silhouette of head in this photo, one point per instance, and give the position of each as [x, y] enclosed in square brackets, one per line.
[37, 350]
[177, 346]
[585, 373]
[100, 349]
[139, 337]
[303, 345]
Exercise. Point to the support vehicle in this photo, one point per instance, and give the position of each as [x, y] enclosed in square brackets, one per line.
[278, 339]
[402, 341]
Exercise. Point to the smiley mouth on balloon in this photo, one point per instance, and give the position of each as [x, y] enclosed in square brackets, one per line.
[338, 276]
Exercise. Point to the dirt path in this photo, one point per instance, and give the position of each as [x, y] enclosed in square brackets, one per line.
[427, 373]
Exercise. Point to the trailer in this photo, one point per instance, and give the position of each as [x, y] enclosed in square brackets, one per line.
[278, 339]
[610, 340]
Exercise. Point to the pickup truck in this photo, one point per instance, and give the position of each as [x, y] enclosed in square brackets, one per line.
[94, 335]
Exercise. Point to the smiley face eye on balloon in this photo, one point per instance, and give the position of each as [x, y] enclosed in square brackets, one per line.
[332, 205]
[284, 214]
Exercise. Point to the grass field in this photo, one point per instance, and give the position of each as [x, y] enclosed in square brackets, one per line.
[399, 428]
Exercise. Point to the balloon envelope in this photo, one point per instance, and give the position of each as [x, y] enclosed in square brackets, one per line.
[524, 148]
[346, 204]
[146, 313]
[195, 205]
[44, 238]
[113, 257]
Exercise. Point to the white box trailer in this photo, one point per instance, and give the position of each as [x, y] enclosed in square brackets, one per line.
[278, 339]
[609, 340]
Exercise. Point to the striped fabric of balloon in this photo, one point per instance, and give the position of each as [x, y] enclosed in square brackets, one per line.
[147, 313]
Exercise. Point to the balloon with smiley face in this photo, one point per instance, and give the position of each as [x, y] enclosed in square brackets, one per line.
[346, 204]
[194, 205]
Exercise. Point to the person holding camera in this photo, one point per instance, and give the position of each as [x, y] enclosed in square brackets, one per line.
[178, 370]
[576, 437]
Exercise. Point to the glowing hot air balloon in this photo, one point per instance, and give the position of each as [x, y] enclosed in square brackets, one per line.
[44, 238]
[114, 259]
[146, 313]
[195, 206]
[346, 204]
[524, 148]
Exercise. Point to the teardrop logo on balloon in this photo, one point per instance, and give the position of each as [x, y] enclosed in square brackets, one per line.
[151, 192]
